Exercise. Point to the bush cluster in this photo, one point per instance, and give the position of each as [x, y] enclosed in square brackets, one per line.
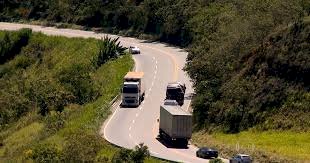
[12, 43]
[49, 73]
[137, 155]
[248, 64]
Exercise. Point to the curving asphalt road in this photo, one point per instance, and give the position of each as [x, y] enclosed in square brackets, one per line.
[128, 127]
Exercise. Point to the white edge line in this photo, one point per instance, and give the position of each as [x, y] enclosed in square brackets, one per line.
[189, 104]
[105, 127]
[116, 110]
[135, 69]
[154, 153]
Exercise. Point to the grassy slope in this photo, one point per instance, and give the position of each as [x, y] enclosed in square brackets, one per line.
[20, 137]
[272, 143]
[263, 146]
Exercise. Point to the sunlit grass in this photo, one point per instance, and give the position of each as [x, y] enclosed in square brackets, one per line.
[58, 54]
[17, 141]
[286, 144]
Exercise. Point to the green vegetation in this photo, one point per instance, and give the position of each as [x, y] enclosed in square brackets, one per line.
[268, 93]
[65, 95]
[11, 44]
[267, 146]
[54, 98]
[239, 72]
[109, 49]
[166, 20]
[216, 160]
[138, 155]
[249, 59]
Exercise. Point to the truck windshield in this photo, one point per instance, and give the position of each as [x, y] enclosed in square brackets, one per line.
[130, 90]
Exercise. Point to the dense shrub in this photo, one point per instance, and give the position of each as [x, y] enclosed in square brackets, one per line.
[140, 153]
[12, 43]
[122, 156]
[54, 122]
[51, 72]
[137, 155]
[216, 160]
[81, 146]
[76, 78]
[43, 153]
[257, 88]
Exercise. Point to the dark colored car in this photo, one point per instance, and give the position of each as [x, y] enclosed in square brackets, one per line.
[240, 158]
[176, 91]
[207, 153]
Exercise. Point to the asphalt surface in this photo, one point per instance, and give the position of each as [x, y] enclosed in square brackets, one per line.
[127, 127]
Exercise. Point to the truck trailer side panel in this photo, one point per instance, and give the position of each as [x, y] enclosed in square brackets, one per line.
[175, 122]
[181, 126]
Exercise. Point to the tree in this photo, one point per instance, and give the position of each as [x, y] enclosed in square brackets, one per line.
[132, 156]
[140, 153]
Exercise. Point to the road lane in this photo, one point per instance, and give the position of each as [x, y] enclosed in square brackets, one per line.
[127, 127]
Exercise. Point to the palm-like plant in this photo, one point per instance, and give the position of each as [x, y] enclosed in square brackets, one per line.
[109, 48]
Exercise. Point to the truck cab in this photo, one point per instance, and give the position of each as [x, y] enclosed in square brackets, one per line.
[133, 89]
[176, 91]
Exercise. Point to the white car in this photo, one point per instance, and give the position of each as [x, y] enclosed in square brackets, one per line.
[241, 158]
[134, 50]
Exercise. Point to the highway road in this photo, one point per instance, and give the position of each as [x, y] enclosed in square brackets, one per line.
[127, 127]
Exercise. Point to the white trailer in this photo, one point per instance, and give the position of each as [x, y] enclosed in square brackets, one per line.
[175, 124]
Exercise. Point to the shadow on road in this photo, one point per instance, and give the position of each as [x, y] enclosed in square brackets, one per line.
[189, 96]
[171, 145]
[127, 107]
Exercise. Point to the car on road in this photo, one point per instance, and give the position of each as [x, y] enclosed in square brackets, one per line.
[206, 152]
[134, 50]
[241, 158]
[176, 91]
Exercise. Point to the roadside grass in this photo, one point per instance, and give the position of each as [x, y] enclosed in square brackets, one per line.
[57, 54]
[21, 139]
[49, 57]
[263, 146]
[88, 117]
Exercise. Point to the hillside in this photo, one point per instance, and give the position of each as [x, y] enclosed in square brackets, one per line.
[248, 60]
[266, 101]
[270, 90]
[279, 73]
[54, 96]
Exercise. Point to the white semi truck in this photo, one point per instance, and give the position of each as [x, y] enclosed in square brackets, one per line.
[133, 89]
[175, 124]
